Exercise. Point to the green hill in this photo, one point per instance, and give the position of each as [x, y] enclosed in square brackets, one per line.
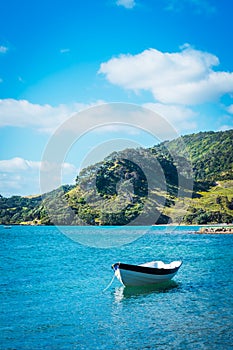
[211, 154]
[186, 180]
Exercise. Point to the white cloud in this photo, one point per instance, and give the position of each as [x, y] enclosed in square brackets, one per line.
[118, 128]
[64, 50]
[181, 117]
[18, 164]
[230, 109]
[128, 4]
[186, 77]
[226, 120]
[20, 79]
[20, 176]
[226, 127]
[44, 118]
[3, 49]
[9, 184]
[196, 6]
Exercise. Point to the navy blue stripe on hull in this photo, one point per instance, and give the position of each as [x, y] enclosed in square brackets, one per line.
[145, 269]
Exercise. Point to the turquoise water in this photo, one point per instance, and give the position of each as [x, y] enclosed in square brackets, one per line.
[52, 291]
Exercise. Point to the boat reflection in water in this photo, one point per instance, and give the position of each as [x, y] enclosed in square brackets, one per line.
[123, 292]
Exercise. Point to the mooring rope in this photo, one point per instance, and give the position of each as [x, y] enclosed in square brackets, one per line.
[109, 285]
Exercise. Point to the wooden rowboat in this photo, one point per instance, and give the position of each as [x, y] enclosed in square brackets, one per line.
[149, 273]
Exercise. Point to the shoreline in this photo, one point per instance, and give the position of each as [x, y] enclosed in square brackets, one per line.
[207, 228]
[226, 229]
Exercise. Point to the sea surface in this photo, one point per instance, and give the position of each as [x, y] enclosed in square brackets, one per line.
[52, 289]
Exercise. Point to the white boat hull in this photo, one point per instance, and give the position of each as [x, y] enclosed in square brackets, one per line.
[131, 278]
[146, 275]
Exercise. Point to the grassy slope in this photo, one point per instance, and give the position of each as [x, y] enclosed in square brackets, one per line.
[214, 202]
[208, 199]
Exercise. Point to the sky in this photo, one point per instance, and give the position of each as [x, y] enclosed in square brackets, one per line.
[65, 58]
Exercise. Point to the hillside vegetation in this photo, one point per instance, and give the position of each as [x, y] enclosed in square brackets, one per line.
[167, 183]
[211, 154]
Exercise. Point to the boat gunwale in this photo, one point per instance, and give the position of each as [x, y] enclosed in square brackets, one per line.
[146, 269]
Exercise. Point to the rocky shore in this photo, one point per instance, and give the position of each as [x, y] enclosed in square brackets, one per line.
[217, 229]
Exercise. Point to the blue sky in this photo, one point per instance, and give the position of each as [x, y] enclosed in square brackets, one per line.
[57, 58]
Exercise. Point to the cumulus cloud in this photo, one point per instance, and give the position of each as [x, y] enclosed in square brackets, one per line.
[3, 49]
[128, 4]
[180, 116]
[226, 127]
[197, 6]
[20, 79]
[22, 113]
[230, 109]
[44, 118]
[64, 50]
[185, 77]
[18, 164]
[21, 176]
